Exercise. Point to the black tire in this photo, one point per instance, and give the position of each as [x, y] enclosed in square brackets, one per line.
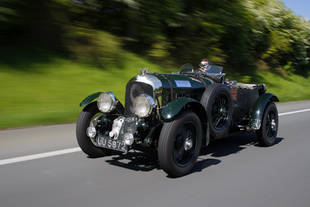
[268, 131]
[83, 140]
[219, 127]
[175, 157]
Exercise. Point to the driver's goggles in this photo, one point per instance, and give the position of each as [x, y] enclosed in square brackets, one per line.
[203, 65]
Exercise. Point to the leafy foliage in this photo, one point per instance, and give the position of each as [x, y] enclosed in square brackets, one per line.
[239, 34]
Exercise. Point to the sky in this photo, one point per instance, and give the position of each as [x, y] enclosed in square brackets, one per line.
[299, 7]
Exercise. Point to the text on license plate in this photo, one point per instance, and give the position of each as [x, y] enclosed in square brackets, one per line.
[108, 143]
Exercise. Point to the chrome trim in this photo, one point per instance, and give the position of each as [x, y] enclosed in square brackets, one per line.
[143, 71]
[273, 125]
[150, 80]
[257, 124]
[188, 144]
[156, 84]
[151, 102]
[116, 127]
[114, 101]
[150, 98]
[93, 123]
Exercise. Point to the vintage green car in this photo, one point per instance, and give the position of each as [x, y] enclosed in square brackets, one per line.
[175, 115]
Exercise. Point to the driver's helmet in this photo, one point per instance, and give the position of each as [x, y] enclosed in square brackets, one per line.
[204, 65]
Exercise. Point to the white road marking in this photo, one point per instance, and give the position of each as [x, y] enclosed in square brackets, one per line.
[293, 112]
[38, 156]
[77, 149]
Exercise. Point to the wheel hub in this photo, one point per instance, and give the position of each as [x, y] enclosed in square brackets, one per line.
[220, 112]
[188, 144]
[273, 125]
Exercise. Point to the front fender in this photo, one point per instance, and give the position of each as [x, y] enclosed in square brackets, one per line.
[90, 99]
[173, 108]
[259, 108]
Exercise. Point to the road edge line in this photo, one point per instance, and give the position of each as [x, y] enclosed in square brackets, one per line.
[294, 112]
[38, 156]
[77, 149]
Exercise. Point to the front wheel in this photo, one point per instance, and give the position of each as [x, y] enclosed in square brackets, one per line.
[179, 144]
[269, 127]
[88, 113]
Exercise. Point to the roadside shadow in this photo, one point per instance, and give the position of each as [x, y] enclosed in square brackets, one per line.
[227, 146]
[200, 165]
[233, 144]
[139, 161]
[278, 140]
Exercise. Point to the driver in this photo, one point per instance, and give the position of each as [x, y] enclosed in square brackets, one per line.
[204, 65]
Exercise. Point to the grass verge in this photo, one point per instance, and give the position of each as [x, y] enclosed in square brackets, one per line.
[48, 93]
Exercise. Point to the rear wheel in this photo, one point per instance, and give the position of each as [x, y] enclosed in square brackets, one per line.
[88, 113]
[267, 134]
[179, 144]
[218, 104]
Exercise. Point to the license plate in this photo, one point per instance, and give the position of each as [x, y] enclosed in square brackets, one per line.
[118, 145]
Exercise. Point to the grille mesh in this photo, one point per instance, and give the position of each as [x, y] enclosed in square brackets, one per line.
[134, 89]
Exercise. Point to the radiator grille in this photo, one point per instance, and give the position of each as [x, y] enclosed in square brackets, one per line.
[134, 89]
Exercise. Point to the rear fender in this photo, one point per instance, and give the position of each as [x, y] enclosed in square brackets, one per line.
[170, 111]
[259, 108]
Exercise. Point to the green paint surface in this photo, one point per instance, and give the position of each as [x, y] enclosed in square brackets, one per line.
[259, 107]
[174, 107]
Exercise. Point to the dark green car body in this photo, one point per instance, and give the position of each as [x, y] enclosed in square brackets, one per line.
[175, 93]
[174, 115]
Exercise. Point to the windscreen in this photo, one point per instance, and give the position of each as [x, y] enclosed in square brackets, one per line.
[214, 69]
[187, 68]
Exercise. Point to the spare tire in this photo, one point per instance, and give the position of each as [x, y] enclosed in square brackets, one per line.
[217, 102]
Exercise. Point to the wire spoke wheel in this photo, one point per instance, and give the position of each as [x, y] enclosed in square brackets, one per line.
[217, 102]
[89, 114]
[271, 125]
[179, 144]
[267, 134]
[220, 112]
[184, 145]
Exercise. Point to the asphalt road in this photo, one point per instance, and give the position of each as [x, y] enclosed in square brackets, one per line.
[231, 172]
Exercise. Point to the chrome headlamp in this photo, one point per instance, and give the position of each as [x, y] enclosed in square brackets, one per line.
[106, 102]
[143, 105]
